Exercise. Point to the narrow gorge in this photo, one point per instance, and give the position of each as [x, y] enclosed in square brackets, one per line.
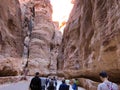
[30, 39]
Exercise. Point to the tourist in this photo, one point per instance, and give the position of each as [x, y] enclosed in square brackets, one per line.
[51, 86]
[77, 83]
[43, 83]
[63, 86]
[47, 81]
[55, 82]
[106, 84]
[74, 85]
[35, 83]
[67, 81]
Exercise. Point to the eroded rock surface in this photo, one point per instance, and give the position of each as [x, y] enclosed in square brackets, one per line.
[44, 40]
[91, 40]
[11, 39]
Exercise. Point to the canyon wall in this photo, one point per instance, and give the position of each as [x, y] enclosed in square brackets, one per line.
[29, 39]
[11, 39]
[91, 40]
[43, 39]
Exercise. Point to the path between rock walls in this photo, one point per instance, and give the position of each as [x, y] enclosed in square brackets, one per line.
[24, 85]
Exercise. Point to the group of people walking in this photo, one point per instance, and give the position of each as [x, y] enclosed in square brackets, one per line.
[67, 83]
[42, 83]
[51, 83]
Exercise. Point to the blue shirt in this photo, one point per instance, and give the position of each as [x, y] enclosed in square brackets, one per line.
[74, 86]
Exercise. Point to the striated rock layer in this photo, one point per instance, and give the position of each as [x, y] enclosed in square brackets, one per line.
[91, 40]
[44, 40]
[11, 39]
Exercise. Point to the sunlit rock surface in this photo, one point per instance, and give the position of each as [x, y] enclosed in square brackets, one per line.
[11, 40]
[91, 40]
[44, 41]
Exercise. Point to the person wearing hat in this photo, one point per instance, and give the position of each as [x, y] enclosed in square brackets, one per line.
[35, 83]
[106, 84]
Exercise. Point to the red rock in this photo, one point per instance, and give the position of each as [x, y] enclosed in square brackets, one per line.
[91, 40]
[45, 41]
[11, 39]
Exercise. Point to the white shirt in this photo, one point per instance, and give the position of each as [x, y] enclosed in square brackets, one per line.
[43, 80]
[107, 85]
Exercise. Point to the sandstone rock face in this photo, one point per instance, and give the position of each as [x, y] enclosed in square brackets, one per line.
[91, 40]
[11, 40]
[44, 41]
[88, 84]
[54, 47]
